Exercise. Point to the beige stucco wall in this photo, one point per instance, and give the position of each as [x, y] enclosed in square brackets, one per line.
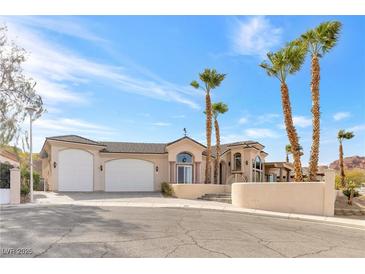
[193, 191]
[51, 174]
[316, 198]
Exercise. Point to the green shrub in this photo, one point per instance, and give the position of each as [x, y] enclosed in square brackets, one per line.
[167, 189]
[356, 175]
[25, 175]
[24, 189]
[351, 187]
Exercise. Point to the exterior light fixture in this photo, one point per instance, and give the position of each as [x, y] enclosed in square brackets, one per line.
[156, 168]
[101, 167]
[54, 164]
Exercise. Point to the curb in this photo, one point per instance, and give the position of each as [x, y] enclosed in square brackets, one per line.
[353, 223]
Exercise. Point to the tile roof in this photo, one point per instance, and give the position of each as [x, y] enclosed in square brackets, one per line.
[74, 139]
[130, 147]
[126, 147]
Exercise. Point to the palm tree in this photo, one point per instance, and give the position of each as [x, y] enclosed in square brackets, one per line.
[318, 42]
[282, 63]
[217, 108]
[343, 135]
[288, 151]
[211, 79]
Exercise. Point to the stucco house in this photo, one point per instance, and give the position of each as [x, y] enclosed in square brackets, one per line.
[75, 163]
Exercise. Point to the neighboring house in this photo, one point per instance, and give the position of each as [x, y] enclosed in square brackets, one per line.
[74, 163]
[7, 157]
[278, 172]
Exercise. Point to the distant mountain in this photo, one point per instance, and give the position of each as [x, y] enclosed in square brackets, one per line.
[350, 163]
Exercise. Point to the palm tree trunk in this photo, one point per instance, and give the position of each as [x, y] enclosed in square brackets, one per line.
[342, 171]
[291, 132]
[217, 149]
[208, 109]
[287, 157]
[313, 161]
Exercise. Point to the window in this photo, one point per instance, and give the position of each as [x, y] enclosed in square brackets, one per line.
[237, 161]
[257, 170]
[184, 158]
[184, 168]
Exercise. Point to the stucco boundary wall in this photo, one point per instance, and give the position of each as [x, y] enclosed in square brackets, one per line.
[194, 191]
[317, 198]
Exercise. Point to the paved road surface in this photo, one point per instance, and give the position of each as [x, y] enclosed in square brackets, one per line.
[88, 231]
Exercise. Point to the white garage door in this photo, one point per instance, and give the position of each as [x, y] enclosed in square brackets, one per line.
[128, 175]
[75, 170]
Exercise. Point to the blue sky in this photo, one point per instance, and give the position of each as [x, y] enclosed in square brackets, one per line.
[126, 78]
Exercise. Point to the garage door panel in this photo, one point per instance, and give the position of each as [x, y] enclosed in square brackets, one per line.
[129, 175]
[75, 170]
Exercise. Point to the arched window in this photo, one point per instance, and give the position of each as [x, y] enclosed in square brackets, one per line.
[184, 158]
[237, 161]
[257, 170]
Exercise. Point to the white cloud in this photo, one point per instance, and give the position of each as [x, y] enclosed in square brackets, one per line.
[259, 119]
[63, 25]
[255, 36]
[59, 126]
[231, 138]
[60, 71]
[341, 115]
[46, 127]
[243, 120]
[302, 121]
[357, 128]
[161, 124]
[261, 133]
[299, 121]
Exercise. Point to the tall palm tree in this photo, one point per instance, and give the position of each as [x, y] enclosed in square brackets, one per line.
[343, 135]
[211, 79]
[318, 42]
[282, 63]
[217, 108]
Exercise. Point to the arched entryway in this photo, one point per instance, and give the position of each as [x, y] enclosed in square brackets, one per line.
[222, 173]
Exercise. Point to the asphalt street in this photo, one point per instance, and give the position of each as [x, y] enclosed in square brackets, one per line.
[91, 231]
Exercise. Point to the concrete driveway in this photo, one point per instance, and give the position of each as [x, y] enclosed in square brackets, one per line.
[69, 230]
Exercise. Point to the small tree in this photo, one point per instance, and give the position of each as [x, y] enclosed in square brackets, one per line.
[343, 135]
[211, 79]
[16, 90]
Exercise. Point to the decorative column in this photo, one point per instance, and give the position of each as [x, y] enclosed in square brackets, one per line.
[15, 185]
[197, 172]
[172, 172]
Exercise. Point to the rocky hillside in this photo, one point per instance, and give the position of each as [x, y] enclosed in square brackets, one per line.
[350, 162]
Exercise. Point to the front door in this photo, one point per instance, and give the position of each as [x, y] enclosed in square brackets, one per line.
[184, 174]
